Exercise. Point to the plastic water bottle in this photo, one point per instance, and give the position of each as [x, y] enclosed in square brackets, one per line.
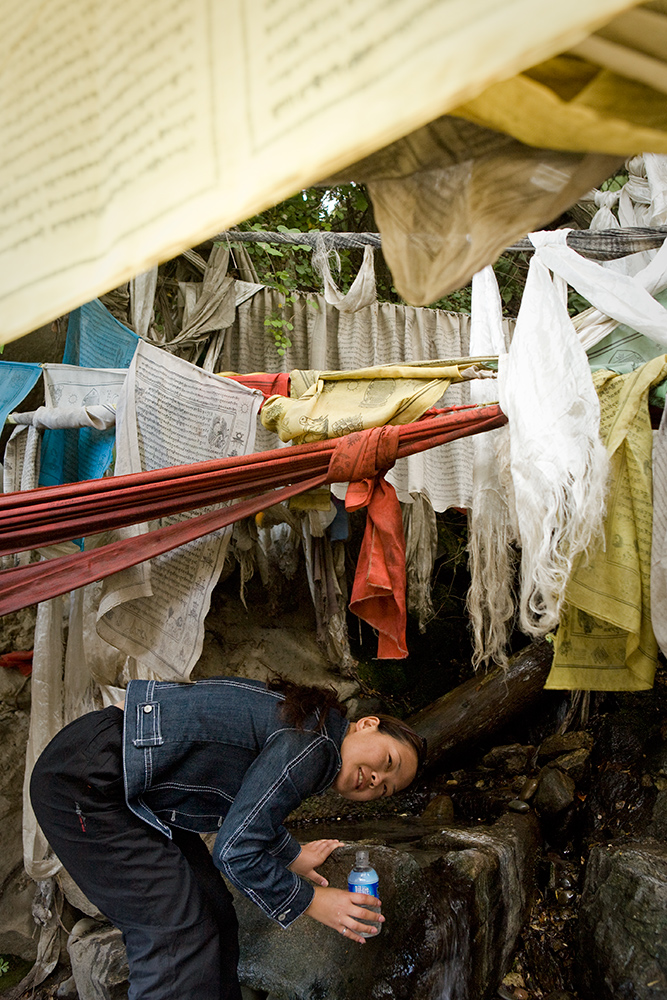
[364, 879]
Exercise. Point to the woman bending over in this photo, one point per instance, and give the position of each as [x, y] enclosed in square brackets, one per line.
[123, 794]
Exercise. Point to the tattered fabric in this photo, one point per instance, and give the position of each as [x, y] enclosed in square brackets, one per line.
[378, 594]
[39, 517]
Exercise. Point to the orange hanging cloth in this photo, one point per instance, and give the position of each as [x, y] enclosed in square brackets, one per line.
[378, 594]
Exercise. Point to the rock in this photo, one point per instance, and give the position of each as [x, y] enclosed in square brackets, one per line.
[562, 743]
[454, 907]
[513, 759]
[67, 989]
[657, 761]
[529, 788]
[489, 879]
[99, 962]
[358, 707]
[555, 792]
[439, 810]
[17, 927]
[518, 806]
[622, 947]
[574, 763]
[18, 628]
[618, 803]
[11, 685]
[624, 737]
[658, 825]
[248, 994]
[403, 961]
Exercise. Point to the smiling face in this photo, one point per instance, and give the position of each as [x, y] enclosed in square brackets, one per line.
[375, 764]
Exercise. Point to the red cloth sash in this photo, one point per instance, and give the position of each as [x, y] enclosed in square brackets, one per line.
[268, 385]
[40, 517]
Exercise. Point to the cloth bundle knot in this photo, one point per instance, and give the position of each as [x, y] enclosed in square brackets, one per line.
[363, 455]
[378, 594]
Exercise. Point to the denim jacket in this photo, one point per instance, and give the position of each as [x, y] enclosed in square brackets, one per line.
[217, 756]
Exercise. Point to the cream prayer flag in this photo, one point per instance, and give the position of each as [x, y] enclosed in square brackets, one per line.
[131, 131]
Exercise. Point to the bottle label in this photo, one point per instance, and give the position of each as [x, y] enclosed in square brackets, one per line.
[367, 890]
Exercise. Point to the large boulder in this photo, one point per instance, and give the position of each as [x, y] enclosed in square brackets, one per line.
[454, 906]
[623, 922]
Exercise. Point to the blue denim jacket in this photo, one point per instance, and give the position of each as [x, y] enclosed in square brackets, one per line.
[217, 756]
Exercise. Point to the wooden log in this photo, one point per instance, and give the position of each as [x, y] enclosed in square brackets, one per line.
[484, 704]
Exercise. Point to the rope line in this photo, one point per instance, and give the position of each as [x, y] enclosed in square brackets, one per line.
[601, 244]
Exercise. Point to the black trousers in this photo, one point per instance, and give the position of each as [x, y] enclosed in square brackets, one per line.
[166, 896]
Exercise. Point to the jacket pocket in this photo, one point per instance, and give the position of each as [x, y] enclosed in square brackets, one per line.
[149, 733]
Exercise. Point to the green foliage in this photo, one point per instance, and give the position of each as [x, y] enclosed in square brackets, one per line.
[12, 971]
[616, 181]
[288, 268]
[347, 208]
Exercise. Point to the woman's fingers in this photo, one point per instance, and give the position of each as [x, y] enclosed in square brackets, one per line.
[348, 913]
[324, 847]
[356, 929]
[363, 918]
[366, 907]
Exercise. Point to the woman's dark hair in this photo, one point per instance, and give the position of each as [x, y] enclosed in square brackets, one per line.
[402, 732]
[303, 700]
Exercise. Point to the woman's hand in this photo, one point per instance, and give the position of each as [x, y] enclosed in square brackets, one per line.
[344, 910]
[313, 854]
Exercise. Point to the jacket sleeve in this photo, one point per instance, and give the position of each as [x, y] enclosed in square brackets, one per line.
[252, 847]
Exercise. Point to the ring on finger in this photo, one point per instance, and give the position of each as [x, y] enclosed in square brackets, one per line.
[344, 930]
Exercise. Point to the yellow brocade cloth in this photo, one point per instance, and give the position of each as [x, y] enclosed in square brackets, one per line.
[567, 103]
[605, 639]
[340, 402]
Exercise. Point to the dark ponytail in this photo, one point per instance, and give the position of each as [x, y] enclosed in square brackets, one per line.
[303, 700]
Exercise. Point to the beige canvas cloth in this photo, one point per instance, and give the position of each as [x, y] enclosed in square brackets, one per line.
[451, 196]
[120, 153]
[659, 539]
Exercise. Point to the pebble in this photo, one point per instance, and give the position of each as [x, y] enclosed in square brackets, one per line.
[556, 792]
[563, 743]
[574, 763]
[564, 896]
[518, 806]
[512, 759]
[439, 810]
[529, 789]
[67, 990]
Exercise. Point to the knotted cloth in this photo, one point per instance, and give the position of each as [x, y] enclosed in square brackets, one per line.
[378, 594]
[32, 518]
